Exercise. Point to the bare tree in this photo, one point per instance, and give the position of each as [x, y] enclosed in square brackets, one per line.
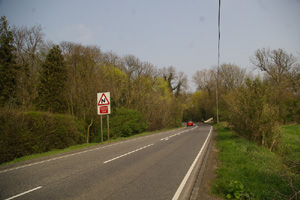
[205, 80]
[83, 77]
[282, 72]
[231, 77]
[28, 42]
[177, 81]
[277, 64]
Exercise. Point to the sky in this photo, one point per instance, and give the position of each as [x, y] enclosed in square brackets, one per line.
[178, 33]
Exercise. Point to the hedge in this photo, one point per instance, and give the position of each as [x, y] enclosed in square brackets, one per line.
[127, 122]
[25, 133]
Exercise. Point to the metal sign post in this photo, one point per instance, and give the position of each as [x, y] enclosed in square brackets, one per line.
[107, 127]
[103, 108]
[101, 128]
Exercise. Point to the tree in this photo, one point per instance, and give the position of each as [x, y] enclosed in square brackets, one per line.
[252, 115]
[177, 81]
[84, 77]
[277, 64]
[205, 80]
[230, 77]
[282, 72]
[28, 42]
[8, 67]
[52, 82]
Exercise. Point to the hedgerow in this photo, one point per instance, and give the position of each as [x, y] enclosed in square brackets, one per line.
[25, 133]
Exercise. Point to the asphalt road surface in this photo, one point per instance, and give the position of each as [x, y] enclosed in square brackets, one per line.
[150, 167]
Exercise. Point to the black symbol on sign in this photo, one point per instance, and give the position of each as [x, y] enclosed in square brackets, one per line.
[103, 101]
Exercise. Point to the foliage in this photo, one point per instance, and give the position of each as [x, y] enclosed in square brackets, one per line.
[200, 108]
[25, 133]
[282, 71]
[28, 43]
[126, 122]
[251, 171]
[252, 116]
[289, 145]
[65, 79]
[236, 190]
[52, 81]
[290, 152]
[133, 84]
[8, 67]
[227, 78]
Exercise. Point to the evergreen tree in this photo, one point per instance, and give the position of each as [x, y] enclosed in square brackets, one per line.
[52, 83]
[8, 67]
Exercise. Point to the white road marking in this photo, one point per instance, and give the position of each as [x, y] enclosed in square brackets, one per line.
[127, 153]
[180, 188]
[57, 158]
[53, 159]
[94, 149]
[167, 138]
[18, 195]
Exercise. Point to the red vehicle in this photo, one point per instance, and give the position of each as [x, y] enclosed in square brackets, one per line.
[189, 123]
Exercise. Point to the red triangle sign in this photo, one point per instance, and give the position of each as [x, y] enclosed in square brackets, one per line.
[103, 100]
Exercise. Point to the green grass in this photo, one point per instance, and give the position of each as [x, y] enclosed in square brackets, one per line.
[248, 171]
[81, 146]
[290, 142]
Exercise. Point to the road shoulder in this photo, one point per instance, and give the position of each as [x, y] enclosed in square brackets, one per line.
[208, 173]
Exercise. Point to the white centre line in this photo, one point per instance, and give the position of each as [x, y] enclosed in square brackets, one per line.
[167, 138]
[18, 195]
[61, 157]
[74, 154]
[127, 153]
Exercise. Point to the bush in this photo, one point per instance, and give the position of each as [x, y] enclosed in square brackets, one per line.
[251, 114]
[126, 122]
[25, 133]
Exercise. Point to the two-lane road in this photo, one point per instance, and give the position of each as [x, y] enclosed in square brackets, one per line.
[150, 167]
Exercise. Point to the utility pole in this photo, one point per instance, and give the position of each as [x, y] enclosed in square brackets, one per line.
[217, 97]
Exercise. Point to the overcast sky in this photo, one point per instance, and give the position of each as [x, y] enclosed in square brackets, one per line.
[178, 33]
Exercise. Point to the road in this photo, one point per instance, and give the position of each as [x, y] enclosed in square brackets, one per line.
[152, 167]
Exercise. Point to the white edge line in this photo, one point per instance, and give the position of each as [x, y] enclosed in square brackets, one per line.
[180, 188]
[18, 195]
[127, 153]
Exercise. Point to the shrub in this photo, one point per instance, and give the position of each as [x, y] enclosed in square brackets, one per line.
[25, 133]
[252, 116]
[126, 122]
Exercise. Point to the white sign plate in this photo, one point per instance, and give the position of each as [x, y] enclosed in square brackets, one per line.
[103, 103]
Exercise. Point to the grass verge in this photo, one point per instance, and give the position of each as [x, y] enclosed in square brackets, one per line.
[248, 171]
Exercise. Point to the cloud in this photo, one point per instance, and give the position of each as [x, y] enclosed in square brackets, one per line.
[79, 33]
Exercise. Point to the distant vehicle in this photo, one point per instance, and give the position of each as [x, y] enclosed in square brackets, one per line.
[189, 123]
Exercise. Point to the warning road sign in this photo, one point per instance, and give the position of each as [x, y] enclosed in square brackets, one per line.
[103, 105]
[103, 100]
